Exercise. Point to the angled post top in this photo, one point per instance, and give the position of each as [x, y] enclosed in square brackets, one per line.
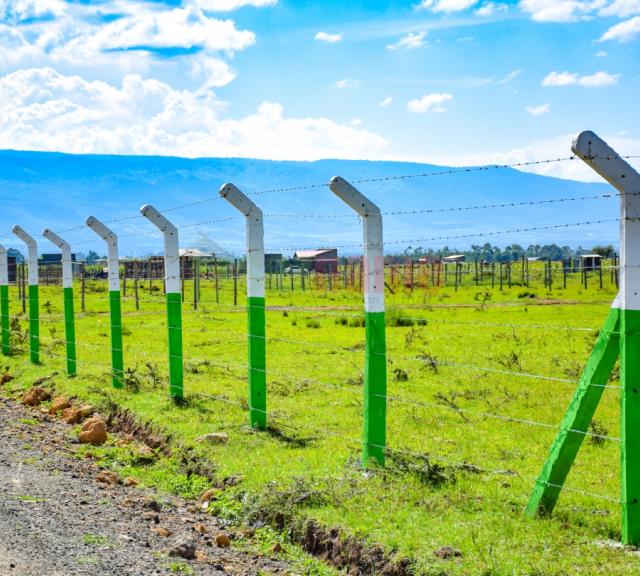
[100, 229]
[157, 219]
[353, 197]
[24, 236]
[239, 199]
[590, 148]
[55, 239]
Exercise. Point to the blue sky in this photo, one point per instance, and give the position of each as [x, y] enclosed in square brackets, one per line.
[441, 81]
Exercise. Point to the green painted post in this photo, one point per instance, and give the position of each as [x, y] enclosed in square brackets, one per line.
[34, 306]
[67, 288]
[255, 304]
[4, 302]
[375, 368]
[173, 297]
[604, 160]
[577, 419]
[115, 313]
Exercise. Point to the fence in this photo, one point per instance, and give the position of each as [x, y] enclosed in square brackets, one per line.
[413, 361]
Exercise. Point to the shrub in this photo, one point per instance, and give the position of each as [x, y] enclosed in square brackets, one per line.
[313, 324]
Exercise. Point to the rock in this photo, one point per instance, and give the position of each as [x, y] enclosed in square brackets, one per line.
[94, 431]
[59, 404]
[184, 549]
[153, 505]
[201, 556]
[162, 531]
[107, 477]
[200, 529]
[6, 377]
[213, 438]
[223, 540]
[36, 396]
[209, 495]
[86, 410]
[145, 454]
[131, 481]
[277, 548]
[447, 552]
[71, 415]
[151, 517]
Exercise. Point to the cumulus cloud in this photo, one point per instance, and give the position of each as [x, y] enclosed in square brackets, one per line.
[41, 109]
[429, 103]
[330, 38]
[346, 83]
[538, 110]
[446, 5]
[491, 8]
[230, 5]
[18, 11]
[572, 10]
[409, 41]
[598, 80]
[626, 31]
[386, 102]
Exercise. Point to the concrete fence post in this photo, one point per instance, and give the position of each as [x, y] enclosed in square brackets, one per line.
[4, 302]
[173, 297]
[34, 307]
[115, 309]
[67, 288]
[375, 370]
[255, 304]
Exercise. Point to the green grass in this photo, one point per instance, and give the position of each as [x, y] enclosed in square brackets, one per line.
[460, 469]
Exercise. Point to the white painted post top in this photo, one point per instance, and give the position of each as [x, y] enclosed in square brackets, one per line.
[100, 229]
[157, 219]
[32, 260]
[353, 197]
[112, 246]
[4, 269]
[65, 248]
[171, 247]
[25, 236]
[55, 239]
[239, 200]
[589, 147]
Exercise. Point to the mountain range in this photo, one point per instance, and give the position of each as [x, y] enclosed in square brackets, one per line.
[59, 191]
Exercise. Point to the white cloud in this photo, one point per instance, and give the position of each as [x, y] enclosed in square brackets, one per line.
[559, 10]
[386, 102]
[598, 80]
[538, 110]
[621, 8]
[429, 103]
[510, 77]
[41, 109]
[346, 83]
[229, 5]
[465, 40]
[446, 5]
[601, 54]
[330, 38]
[556, 147]
[409, 41]
[17, 11]
[626, 31]
[491, 8]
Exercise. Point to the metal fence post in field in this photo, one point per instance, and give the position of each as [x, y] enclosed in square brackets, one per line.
[115, 310]
[255, 303]
[375, 371]
[34, 306]
[620, 338]
[4, 302]
[173, 296]
[67, 288]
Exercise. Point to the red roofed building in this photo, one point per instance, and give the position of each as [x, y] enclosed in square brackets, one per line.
[323, 260]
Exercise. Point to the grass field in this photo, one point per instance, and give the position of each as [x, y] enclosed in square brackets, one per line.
[469, 421]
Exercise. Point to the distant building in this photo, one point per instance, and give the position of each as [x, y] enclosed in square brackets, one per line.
[13, 269]
[454, 258]
[53, 258]
[323, 260]
[590, 261]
